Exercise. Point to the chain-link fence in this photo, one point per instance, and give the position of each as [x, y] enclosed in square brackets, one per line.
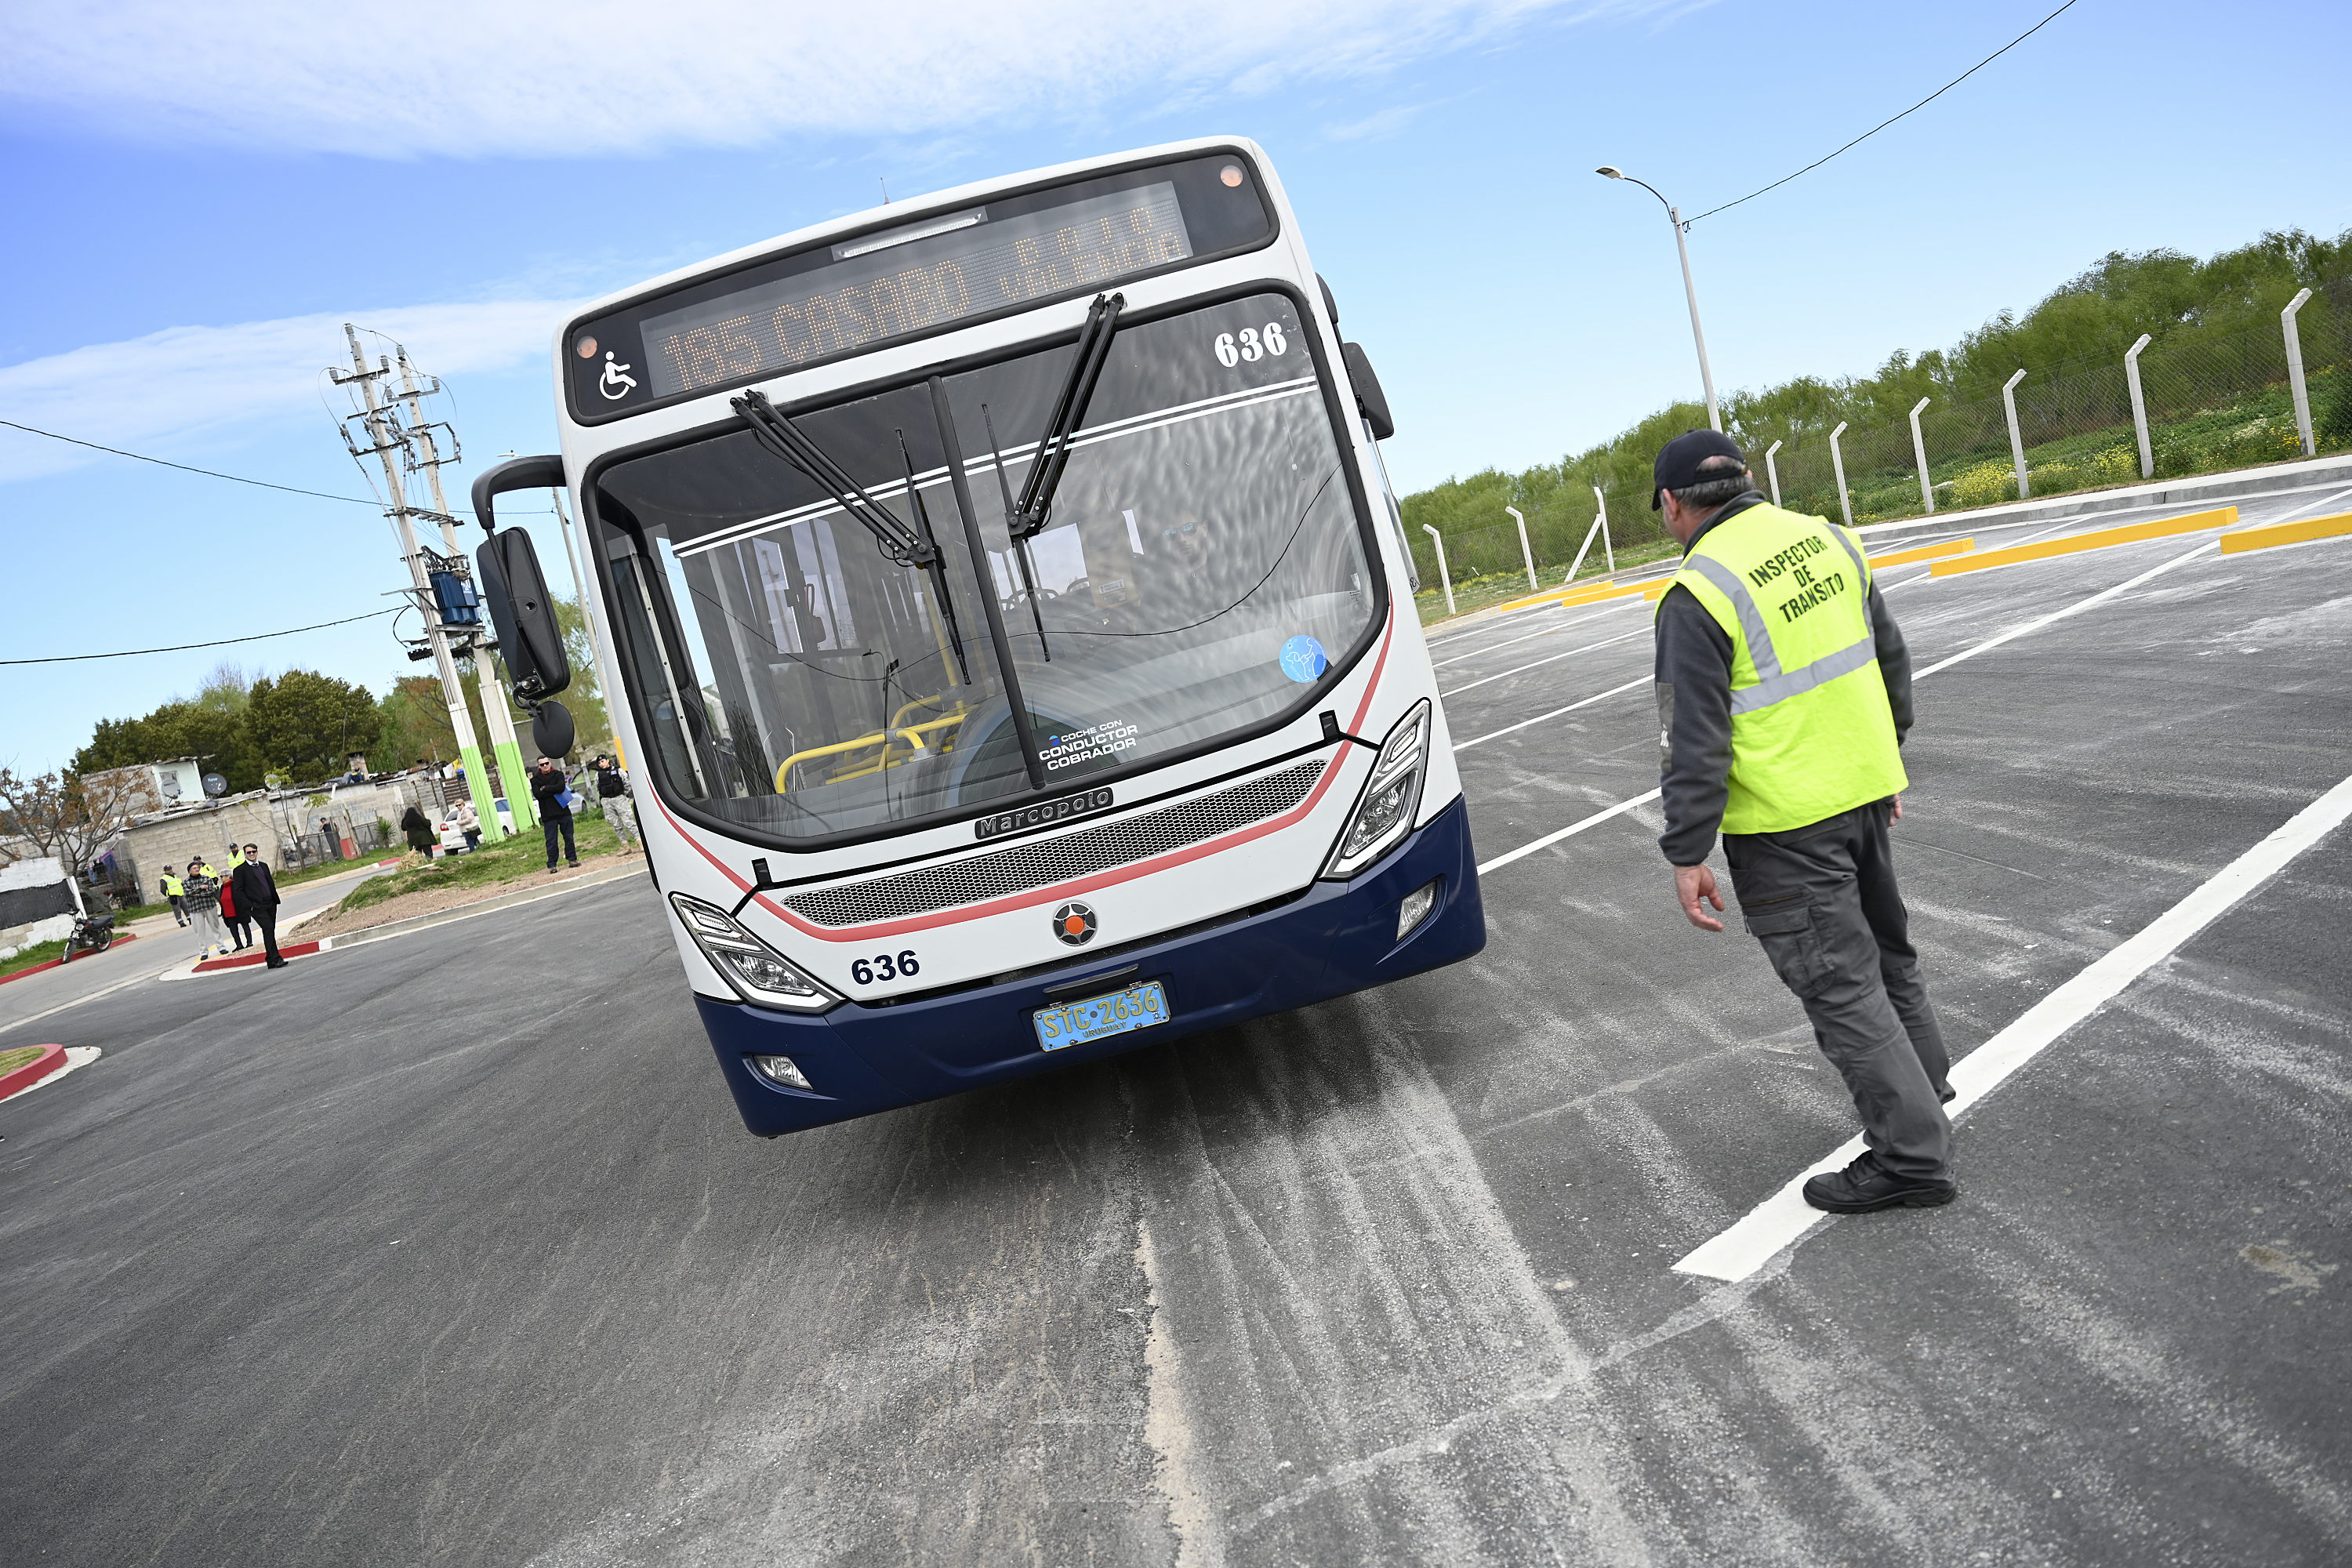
[2212, 402]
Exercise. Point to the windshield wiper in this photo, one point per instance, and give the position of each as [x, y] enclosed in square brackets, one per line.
[783, 438]
[1036, 505]
[1019, 544]
[909, 545]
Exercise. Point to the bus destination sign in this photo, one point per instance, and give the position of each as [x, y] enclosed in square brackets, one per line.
[925, 276]
[1044, 813]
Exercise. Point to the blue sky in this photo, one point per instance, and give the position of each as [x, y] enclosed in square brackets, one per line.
[197, 198]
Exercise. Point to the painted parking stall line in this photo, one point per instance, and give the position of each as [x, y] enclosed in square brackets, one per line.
[1785, 1218]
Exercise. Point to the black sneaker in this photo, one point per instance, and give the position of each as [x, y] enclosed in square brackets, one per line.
[1863, 1188]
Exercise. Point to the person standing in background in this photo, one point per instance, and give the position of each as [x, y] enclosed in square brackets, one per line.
[612, 789]
[241, 930]
[175, 893]
[257, 895]
[469, 822]
[552, 792]
[204, 890]
[418, 830]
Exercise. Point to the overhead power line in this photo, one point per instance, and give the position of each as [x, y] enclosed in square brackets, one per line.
[1884, 123]
[208, 473]
[222, 642]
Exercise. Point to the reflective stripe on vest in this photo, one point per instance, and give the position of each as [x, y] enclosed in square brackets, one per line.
[1772, 683]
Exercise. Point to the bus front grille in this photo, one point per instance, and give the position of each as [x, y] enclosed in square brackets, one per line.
[1045, 862]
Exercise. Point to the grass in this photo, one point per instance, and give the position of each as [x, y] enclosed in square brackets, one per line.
[1501, 587]
[522, 856]
[23, 1056]
[33, 955]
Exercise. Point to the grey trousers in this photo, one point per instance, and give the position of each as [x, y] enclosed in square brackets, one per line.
[1823, 903]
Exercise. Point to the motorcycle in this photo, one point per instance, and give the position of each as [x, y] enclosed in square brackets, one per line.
[91, 933]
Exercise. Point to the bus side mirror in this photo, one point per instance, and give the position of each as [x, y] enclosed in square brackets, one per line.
[513, 588]
[529, 637]
[1370, 401]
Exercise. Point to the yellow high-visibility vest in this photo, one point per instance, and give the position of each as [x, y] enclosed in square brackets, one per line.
[1812, 733]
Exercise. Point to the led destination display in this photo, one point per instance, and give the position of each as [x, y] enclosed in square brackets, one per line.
[925, 276]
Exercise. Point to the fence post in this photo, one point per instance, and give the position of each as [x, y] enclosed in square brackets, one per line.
[2016, 440]
[1773, 470]
[1607, 549]
[1580, 549]
[1444, 576]
[1919, 452]
[2140, 408]
[1525, 554]
[2295, 370]
[1837, 462]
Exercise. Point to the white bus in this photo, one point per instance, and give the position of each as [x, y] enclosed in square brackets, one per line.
[1015, 630]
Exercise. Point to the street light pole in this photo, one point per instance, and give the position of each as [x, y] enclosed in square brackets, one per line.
[1690, 289]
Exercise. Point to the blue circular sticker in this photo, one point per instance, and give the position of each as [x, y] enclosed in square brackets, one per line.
[1304, 660]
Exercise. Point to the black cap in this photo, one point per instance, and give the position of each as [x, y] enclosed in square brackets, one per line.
[1678, 460]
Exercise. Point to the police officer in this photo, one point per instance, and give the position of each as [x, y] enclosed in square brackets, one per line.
[1784, 692]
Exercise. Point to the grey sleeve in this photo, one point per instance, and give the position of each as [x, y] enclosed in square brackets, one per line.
[1894, 662]
[1694, 678]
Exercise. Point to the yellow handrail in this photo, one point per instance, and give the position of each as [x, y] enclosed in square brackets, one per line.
[913, 736]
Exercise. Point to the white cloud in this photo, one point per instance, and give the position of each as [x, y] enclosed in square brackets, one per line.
[1377, 127]
[462, 79]
[159, 393]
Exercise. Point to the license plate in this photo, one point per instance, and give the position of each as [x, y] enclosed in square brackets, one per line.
[1075, 1022]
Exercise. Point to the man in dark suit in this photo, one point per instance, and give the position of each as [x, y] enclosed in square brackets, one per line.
[256, 892]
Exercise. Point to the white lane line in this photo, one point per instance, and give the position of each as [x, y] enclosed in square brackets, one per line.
[2290, 516]
[1495, 734]
[1555, 658]
[88, 997]
[1991, 642]
[1784, 1219]
[1571, 831]
[1524, 637]
[2076, 608]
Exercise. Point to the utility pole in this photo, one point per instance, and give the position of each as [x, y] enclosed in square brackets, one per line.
[581, 581]
[382, 433]
[497, 709]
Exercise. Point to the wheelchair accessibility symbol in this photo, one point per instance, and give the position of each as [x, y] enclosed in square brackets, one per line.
[616, 382]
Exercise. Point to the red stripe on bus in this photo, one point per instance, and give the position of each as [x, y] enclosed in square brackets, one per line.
[1059, 891]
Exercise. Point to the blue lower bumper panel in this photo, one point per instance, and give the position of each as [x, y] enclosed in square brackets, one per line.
[1335, 938]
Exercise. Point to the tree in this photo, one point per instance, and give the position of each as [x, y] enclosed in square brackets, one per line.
[68, 816]
[302, 724]
[210, 725]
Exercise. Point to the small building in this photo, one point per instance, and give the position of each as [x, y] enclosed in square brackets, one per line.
[157, 786]
[209, 828]
[37, 903]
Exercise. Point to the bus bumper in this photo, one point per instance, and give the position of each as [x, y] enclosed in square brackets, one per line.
[1335, 938]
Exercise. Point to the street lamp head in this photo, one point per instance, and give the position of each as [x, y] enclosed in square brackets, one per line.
[1614, 173]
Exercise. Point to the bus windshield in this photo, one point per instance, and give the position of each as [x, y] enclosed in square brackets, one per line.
[1204, 573]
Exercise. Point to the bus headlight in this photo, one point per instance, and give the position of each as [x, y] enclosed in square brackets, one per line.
[758, 973]
[1384, 812]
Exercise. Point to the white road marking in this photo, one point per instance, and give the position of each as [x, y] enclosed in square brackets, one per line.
[2076, 608]
[1571, 831]
[1991, 642]
[1545, 632]
[1555, 658]
[2290, 516]
[1493, 734]
[1784, 1219]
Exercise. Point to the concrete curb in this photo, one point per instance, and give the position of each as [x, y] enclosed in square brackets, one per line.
[51, 1059]
[53, 962]
[2314, 473]
[74, 1056]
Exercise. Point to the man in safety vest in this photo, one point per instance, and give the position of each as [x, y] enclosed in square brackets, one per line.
[1784, 692]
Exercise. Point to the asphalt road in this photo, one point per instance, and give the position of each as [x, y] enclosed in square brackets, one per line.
[449, 1249]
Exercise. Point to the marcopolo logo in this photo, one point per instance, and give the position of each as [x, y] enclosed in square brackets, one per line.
[1043, 813]
[1075, 924]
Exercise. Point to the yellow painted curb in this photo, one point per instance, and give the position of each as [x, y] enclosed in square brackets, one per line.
[1924, 553]
[2100, 539]
[2287, 533]
[1579, 594]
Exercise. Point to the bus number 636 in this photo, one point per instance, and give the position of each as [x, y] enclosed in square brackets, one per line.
[1254, 345]
[883, 966]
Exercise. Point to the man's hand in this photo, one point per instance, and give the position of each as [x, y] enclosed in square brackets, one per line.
[1896, 816]
[1695, 887]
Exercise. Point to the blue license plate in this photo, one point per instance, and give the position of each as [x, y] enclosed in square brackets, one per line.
[1075, 1022]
